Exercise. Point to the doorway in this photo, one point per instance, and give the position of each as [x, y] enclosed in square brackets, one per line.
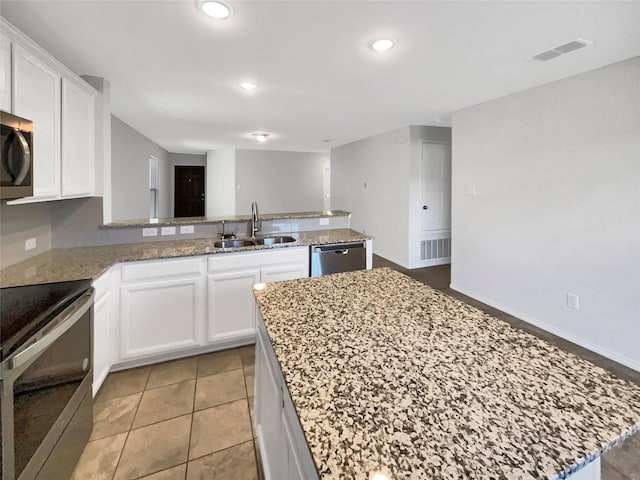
[189, 191]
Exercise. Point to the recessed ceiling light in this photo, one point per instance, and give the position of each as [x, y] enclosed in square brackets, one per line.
[215, 9]
[382, 45]
[260, 137]
[248, 86]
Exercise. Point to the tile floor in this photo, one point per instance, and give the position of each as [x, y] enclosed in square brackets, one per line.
[191, 419]
[184, 419]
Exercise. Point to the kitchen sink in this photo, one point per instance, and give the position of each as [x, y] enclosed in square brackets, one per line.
[235, 243]
[274, 240]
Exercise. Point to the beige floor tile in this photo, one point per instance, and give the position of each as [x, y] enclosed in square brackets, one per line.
[235, 463]
[249, 378]
[218, 362]
[248, 355]
[219, 427]
[164, 403]
[175, 473]
[220, 388]
[114, 416]
[100, 458]
[125, 382]
[172, 372]
[155, 448]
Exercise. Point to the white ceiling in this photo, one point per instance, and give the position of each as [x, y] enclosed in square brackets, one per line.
[174, 72]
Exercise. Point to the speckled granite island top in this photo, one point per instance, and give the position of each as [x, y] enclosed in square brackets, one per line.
[388, 374]
[62, 264]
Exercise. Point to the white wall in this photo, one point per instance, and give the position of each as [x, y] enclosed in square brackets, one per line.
[381, 208]
[557, 209]
[130, 152]
[279, 181]
[181, 159]
[220, 183]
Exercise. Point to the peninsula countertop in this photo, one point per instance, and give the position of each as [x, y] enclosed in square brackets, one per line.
[387, 374]
[63, 264]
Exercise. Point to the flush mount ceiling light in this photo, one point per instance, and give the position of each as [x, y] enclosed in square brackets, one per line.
[260, 137]
[215, 9]
[248, 86]
[382, 44]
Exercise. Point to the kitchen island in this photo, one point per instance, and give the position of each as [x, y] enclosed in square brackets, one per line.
[380, 373]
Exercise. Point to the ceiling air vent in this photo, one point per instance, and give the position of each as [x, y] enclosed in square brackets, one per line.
[554, 52]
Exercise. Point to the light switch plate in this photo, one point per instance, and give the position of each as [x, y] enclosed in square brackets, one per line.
[30, 244]
[186, 229]
[324, 221]
[150, 232]
[573, 301]
[168, 231]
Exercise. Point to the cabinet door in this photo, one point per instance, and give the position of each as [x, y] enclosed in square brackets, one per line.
[78, 137]
[268, 417]
[160, 316]
[5, 73]
[102, 313]
[294, 466]
[232, 307]
[36, 96]
[284, 272]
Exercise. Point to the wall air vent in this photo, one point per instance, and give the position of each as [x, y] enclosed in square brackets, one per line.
[435, 248]
[555, 52]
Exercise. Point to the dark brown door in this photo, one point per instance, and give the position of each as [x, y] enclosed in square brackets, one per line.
[189, 191]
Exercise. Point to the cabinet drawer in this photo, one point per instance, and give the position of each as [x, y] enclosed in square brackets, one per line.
[259, 259]
[165, 268]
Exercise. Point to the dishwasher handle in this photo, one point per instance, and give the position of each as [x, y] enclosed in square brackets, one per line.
[338, 248]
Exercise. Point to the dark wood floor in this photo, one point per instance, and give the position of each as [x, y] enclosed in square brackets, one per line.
[620, 463]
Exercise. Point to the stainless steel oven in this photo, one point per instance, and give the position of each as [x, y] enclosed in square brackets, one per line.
[16, 156]
[46, 375]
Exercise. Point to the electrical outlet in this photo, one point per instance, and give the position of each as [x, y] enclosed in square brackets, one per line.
[168, 231]
[30, 244]
[150, 232]
[186, 229]
[324, 221]
[573, 301]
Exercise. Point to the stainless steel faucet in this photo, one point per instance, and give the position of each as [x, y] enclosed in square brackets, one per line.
[255, 220]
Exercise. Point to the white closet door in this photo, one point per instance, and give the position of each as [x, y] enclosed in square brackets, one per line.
[436, 187]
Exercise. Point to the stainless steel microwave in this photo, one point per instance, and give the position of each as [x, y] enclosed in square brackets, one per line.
[16, 161]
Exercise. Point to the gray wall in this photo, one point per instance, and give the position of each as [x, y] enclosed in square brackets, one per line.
[557, 207]
[370, 178]
[130, 152]
[181, 159]
[279, 181]
[19, 223]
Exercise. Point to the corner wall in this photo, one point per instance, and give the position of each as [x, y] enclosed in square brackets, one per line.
[556, 171]
[130, 152]
[370, 178]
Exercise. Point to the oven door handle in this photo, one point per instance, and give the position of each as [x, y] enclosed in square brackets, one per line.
[55, 330]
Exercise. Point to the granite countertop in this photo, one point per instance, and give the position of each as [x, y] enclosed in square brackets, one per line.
[387, 374]
[63, 264]
[162, 222]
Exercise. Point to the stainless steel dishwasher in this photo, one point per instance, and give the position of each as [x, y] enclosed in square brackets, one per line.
[338, 257]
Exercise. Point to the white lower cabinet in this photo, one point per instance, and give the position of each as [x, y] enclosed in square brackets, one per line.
[232, 308]
[283, 449]
[105, 326]
[162, 307]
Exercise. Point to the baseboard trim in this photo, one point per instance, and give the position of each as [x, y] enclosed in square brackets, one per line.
[627, 362]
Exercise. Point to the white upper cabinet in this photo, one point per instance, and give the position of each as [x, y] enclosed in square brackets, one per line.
[5, 74]
[78, 134]
[36, 96]
[61, 105]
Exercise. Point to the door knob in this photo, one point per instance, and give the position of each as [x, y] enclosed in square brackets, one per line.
[424, 207]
